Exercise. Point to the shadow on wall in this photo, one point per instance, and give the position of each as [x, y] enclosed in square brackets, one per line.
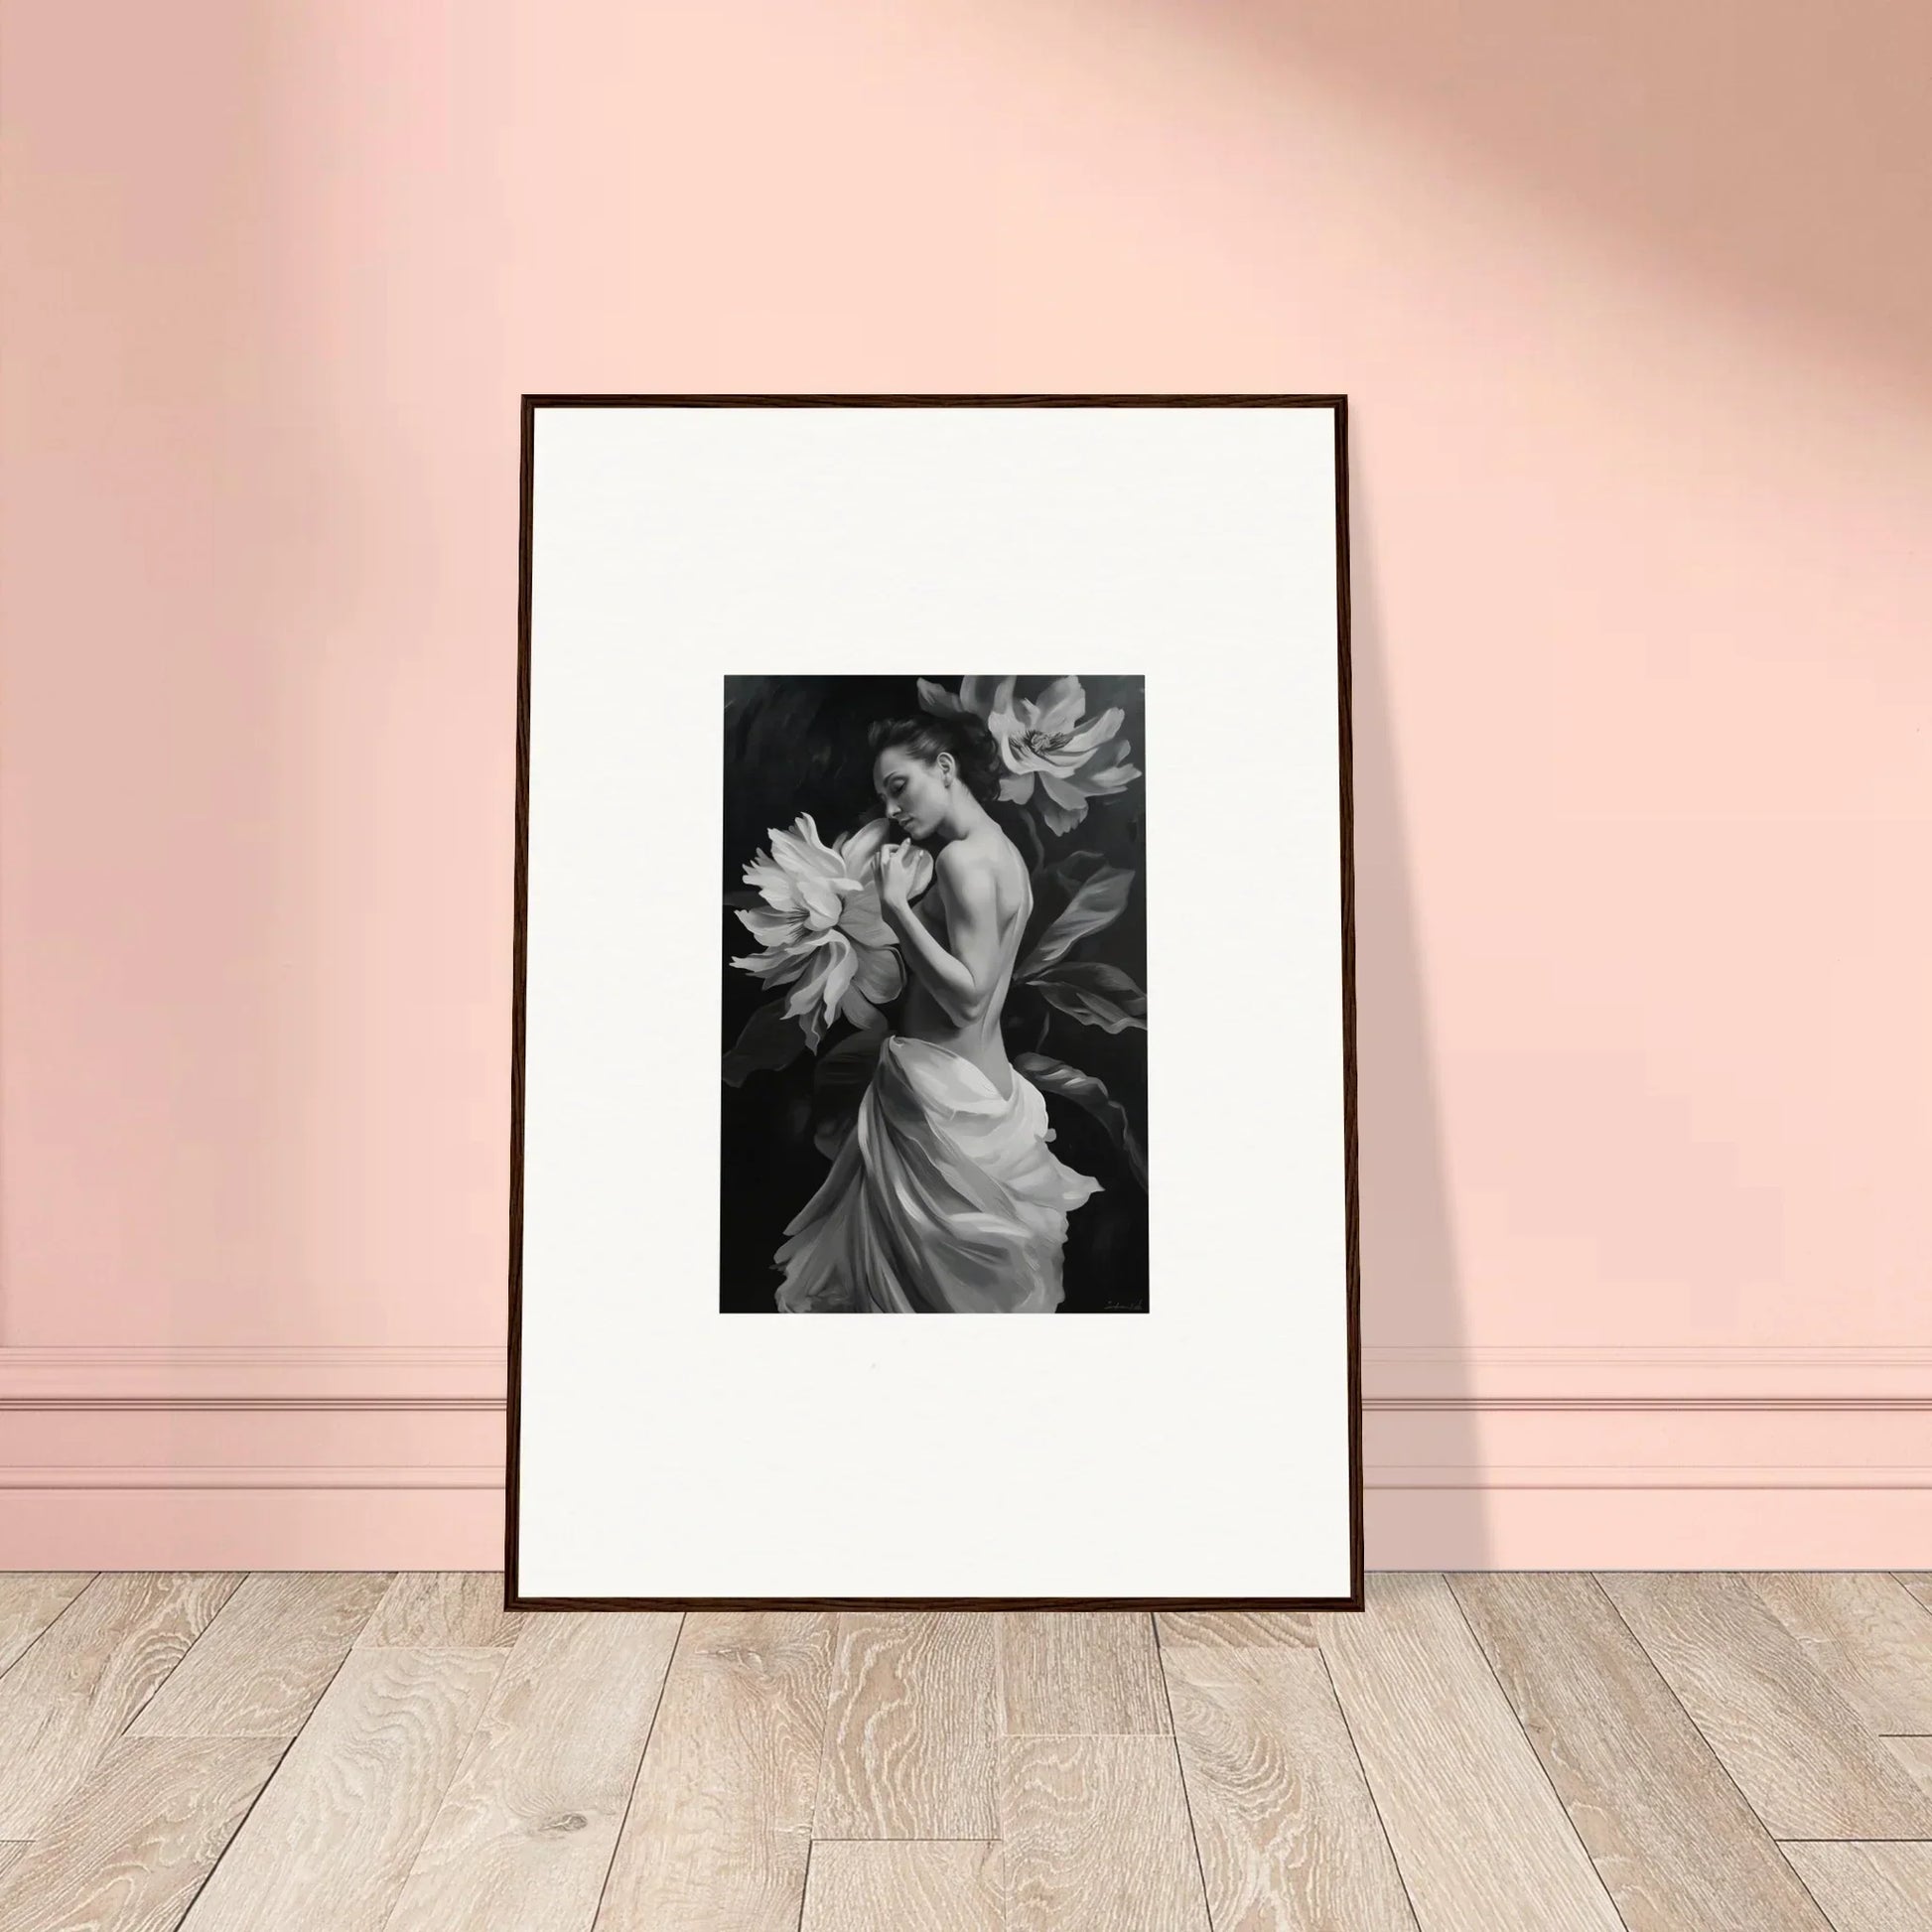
[1774, 152]
[1412, 1290]
[1765, 158]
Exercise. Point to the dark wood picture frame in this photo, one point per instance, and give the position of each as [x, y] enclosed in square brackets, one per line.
[514, 1599]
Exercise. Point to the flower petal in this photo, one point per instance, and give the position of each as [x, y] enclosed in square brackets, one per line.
[768, 928]
[1100, 785]
[822, 900]
[1062, 704]
[1094, 734]
[803, 851]
[815, 998]
[982, 696]
[838, 980]
[774, 968]
[861, 1011]
[1016, 792]
[859, 849]
[1058, 819]
[774, 883]
[862, 923]
[878, 973]
[1055, 786]
[1001, 719]
[937, 698]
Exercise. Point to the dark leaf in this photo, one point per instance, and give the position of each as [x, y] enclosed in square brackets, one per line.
[742, 896]
[771, 1038]
[1099, 897]
[1025, 1022]
[1096, 994]
[1055, 1076]
[1055, 884]
[839, 1081]
[843, 1069]
[1067, 875]
[1018, 815]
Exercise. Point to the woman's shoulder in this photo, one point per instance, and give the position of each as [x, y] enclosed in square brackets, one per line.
[995, 864]
[987, 858]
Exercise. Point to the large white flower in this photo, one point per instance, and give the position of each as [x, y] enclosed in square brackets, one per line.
[1044, 743]
[820, 925]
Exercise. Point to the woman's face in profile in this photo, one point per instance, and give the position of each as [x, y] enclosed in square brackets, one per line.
[913, 793]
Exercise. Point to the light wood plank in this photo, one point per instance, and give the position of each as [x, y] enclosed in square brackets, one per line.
[909, 1737]
[904, 1886]
[1915, 1754]
[12, 1851]
[1918, 1583]
[329, 1843]
[1478, 1835]
[524, 1835]
[29, 1600]
[257, 1670]
[436, 1609]
[1865, 1635]
[1868, 1887]
[1096, 1837]
[1237, 1629]
[126, 1851]
[1288, 1834]
[1796, 1748]
[74, 1692]
[720, 1822]
[1080, 1670]
[1677, 1845]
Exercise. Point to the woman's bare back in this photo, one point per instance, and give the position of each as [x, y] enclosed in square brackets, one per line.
[921, 1016]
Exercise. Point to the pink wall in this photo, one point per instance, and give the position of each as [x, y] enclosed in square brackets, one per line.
[1635, 313]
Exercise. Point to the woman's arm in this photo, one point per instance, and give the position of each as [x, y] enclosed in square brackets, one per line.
[961, 981]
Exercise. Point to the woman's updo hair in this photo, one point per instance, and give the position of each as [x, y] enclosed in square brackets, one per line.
[966, 736]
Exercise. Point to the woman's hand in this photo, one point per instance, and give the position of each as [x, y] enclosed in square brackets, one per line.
[895, 869]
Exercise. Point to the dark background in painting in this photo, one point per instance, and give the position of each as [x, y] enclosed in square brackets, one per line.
[798, 745]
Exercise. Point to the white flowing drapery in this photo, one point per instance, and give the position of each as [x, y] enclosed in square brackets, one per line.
[944, 1199]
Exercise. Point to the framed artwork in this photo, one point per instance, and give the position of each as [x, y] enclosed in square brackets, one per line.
[851, 980]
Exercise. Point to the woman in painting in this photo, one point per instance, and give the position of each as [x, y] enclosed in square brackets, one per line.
[944, 1197]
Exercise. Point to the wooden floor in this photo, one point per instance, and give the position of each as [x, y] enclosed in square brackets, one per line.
[1650, 1750]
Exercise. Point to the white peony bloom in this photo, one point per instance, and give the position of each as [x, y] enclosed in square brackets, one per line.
[820, 925]
[1045, 743]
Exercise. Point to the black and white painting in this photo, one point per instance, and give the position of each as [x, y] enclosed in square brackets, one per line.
[934, 1005]
[932, 898]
